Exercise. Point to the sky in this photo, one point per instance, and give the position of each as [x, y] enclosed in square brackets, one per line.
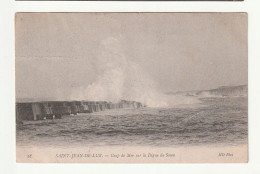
[57, 53]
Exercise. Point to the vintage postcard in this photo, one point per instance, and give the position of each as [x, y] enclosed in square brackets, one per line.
[131, 87]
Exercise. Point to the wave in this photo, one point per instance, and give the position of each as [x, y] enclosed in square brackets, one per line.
[122, 79]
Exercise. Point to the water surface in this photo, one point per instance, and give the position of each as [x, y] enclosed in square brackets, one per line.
[216, 121]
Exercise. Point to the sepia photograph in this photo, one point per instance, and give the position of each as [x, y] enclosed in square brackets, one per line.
[131, 87]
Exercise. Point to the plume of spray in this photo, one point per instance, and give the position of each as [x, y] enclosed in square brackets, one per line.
[120, 79]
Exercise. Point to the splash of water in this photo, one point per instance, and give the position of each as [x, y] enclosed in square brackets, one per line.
[121, 79]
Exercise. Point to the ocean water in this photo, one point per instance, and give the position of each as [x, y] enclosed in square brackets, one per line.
[214, 121]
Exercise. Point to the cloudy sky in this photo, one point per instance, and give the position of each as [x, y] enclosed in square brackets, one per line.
[56, 52]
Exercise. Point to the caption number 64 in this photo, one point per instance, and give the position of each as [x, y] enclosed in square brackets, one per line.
[29, 156]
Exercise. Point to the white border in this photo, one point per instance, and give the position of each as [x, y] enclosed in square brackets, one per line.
[7, 107]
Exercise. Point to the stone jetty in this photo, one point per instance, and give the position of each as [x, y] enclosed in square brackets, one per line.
[56, 109]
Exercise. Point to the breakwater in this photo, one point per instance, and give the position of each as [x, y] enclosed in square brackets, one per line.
[56, 109]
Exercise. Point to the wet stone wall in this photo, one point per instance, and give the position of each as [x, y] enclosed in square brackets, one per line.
[56, 109]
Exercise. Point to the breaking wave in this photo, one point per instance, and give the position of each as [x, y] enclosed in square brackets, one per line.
[122, 79]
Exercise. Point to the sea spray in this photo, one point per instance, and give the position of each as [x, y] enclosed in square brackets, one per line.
[118, 78]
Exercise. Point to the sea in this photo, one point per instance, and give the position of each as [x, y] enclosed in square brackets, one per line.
[214, 121]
